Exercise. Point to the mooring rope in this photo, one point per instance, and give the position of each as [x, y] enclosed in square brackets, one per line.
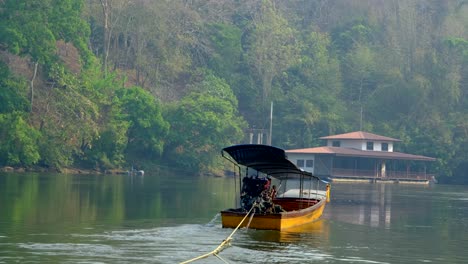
[223, 244]
[250, 220]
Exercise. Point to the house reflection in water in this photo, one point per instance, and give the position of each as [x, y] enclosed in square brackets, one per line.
[370, 206]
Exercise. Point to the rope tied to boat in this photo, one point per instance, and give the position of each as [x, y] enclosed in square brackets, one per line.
[225, 243]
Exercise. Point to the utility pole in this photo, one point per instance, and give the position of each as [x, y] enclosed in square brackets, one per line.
[360, 120]
[271, 123]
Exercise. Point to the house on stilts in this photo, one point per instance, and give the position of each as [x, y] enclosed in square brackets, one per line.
[362, 156]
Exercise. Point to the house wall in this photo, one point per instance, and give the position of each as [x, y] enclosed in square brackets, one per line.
[378, 146]
[361, 144]
[356, 144]
[295, 157]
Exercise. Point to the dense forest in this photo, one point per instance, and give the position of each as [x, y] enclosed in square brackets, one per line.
[104, 84]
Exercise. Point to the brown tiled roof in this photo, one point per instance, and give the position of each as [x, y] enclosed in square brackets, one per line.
[360, 135]
[350, 152]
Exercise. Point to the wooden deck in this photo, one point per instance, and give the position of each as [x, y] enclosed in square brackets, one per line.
[373, 176]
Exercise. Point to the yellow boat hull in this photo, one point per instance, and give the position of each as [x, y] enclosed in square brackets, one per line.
[275, 221]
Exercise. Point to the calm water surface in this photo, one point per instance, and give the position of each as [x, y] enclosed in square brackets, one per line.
[167, 217]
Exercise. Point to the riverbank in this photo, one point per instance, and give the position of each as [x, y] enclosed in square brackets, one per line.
[62, 170]
[211, 172]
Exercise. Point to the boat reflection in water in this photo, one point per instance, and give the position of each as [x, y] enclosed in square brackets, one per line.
[315, 234]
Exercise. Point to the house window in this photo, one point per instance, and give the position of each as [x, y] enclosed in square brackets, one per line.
[309, 163]
[300, 163]
[384, 146]
[370, 146]
[336, 143]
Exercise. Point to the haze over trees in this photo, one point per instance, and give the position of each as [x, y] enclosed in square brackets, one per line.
[104, 83]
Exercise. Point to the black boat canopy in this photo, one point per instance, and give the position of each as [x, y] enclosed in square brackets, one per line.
[266, 159]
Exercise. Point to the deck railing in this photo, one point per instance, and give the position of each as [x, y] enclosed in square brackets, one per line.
[371, 174]
[353, 173]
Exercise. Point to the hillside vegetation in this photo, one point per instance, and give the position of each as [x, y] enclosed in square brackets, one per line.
[105, 84]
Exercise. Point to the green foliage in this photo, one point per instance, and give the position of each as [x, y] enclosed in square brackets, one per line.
[19, 141]
[319, 67]
[391, 68]
[70, 123]
[53, 154]
[107, 149]
[26, 30]
[13, 92]
[202, 123]
[67, 24]
[226, 40]
[317, 78]
[273, 47]
[359, 66]
[394, 97]
[147, 128]
[459, 44]
[347, 37]
[31, 27]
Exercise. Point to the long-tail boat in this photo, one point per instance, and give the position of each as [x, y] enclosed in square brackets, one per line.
[274, 194]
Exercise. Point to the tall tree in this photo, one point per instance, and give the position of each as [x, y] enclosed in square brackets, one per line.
[202, 123]
[273, 46]
[111, 14]
[310, 103]
[359, 67]
[147, 129]
[19, 141]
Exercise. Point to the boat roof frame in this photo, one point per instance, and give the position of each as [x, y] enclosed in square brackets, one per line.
[266, 159]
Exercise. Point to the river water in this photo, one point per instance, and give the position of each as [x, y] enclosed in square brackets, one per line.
[170, 217]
